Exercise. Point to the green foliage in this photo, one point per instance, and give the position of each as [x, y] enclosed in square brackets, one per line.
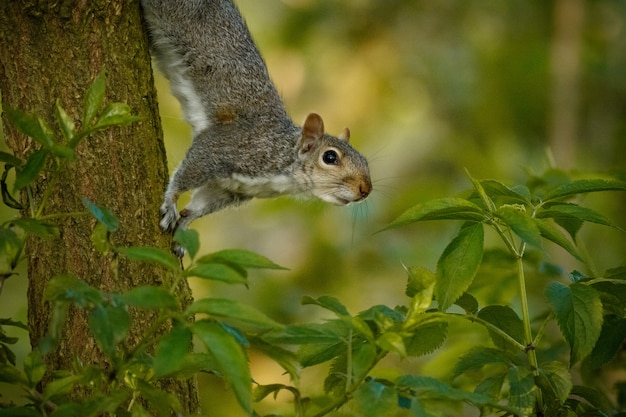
[502, 375]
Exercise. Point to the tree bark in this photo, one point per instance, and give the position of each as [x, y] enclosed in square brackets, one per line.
[54, 50]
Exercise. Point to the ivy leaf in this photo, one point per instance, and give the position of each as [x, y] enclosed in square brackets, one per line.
[102, 214]
[505, 319]
[94, 99]
[31, 169]
[233, 313]
[172, 350]
[579, 313]
[458, 265]
[230, 359]
[584, 186]
[440, 209]
[150, 254]
[516, 217]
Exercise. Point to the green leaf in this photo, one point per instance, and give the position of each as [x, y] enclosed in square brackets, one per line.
[31, 169]
[440, 209]
[115, 114]
[517, 218]
[458, 265]
[149, 297]
[11, 375]
[109, 325]
[420, 279]
[10, 249]
[7, 198]
[66, 287]
[61, 386]
[329, 303]
[374, 399]
[23, 411]
[609, 342]
[34, 368]
[554, 377]
[283, 357]
[172, 350]
[36, 227]
[427, 335]
[554, 235]
[565, 214]
[94, 99]
[66, 123]
[9, 159]
[100, 238]
[230, 359]
[579, 313]
[431, 388]
[584, 186]
[468, 303]
[150, 254]
[166, 404]
[495, 189]
[392, 342]
[189, 240]
[522, 390]
[31, 125]
[63, 151]
[240, 257]
[217, 272]
[234, 313]
[103, 215]
[481, 356]
[327, 333]
[487, 201]
[505, 319]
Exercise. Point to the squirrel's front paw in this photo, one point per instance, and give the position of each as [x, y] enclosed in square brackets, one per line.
[169, 217]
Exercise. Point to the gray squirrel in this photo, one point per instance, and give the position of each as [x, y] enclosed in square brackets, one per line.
[244, 143]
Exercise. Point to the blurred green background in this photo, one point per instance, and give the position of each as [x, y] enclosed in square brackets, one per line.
[428, 88]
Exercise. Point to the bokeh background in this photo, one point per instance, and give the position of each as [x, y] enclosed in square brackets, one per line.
[504, 89]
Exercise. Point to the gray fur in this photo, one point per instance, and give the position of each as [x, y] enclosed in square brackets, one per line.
[245, 145]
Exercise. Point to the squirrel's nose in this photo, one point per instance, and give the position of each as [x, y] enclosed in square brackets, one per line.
[365, 188]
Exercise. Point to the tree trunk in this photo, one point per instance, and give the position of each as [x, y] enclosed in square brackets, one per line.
[54, 50]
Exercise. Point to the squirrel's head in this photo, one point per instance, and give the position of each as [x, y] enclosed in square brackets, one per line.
[337, 173]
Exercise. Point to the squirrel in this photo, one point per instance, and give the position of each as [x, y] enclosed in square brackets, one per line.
[244, 143]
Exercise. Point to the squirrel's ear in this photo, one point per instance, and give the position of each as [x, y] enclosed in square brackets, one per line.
[312, 131]
[345, 135]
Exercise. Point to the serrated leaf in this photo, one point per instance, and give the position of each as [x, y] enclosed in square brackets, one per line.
[36, 227]
[420, 279]
[555, 378]
[610, 341]
[234, 313]
[431, 388]
[578, 312]
[149, 297]
[217, 272]
[189, 240]
[481, 356]
[554, 235]
[327, 333]
[584, 186]
[329, 303]
[457, 266]
[66, 123]
[150, 254]
[505, 319]
[102, 214]
[172, 350]
[374, 398]
[241, 257]
[94, 99]
[426, 336]
[516, 217]
[496, 189]
[31, 169]
[440, 209]
[468, 303]
[115, 114]
[522, 390]
[30, 125]
[230, 359]
[34, 368]
[572, 216]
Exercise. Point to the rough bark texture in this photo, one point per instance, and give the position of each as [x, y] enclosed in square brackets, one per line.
[55, 49]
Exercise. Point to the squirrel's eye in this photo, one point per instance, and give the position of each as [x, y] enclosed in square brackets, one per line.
[330, 158]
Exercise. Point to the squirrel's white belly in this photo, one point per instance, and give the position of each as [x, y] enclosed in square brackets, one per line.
[261, 187]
